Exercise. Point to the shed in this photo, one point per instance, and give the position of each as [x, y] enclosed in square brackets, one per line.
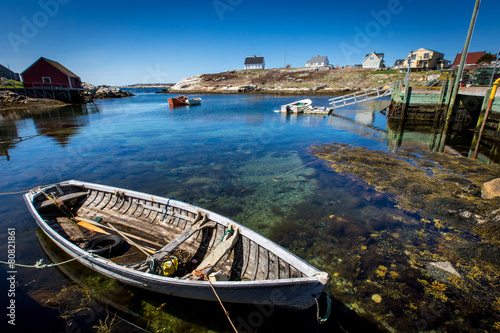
[255, 63]
[50, 73]
[8, 74]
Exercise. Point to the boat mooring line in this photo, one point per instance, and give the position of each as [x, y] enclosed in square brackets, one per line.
[39, 264]
[300, 167]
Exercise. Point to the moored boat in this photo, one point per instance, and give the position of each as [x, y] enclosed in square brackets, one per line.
[193, 101]
[184, 100]
[178, 101]
[171, 247]
[296, 107]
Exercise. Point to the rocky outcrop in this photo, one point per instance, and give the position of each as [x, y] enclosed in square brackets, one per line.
[189, 83]
[11, 100]
[106, 92]
[9, 97]
[491, 189]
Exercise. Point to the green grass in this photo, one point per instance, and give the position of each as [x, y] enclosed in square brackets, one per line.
[11, 84]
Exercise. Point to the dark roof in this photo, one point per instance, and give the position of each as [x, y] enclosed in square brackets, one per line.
[254, 60]
[380, 55]
[472, 58]
[318, 59]
[399, 62]
[56, 65]
[5, 69]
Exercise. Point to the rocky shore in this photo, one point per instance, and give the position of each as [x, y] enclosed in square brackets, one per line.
[11, 100]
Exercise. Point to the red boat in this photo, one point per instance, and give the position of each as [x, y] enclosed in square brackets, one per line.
[178, 101]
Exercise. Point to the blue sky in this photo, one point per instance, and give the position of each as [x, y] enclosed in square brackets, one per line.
[126, 42]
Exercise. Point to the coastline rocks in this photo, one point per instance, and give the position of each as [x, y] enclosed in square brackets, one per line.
[491, 189]
[189, 83]
[9, 97]
[106, 92]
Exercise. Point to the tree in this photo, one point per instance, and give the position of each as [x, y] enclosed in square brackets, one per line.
[487, 57]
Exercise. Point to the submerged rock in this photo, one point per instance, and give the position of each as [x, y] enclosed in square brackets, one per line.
[491, 189]
[442, 270]
[377, 298]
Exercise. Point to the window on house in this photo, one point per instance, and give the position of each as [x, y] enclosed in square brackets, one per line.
[413, 56]
[46, 80]
[426, 55]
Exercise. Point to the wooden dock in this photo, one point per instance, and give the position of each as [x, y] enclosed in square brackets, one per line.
[431, 106]
[362, 96]
[58, 92]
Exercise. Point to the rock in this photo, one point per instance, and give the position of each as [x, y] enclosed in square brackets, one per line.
[442, 270]
[377, 298]
[187, 83]
[105, 92]
[491, 189]
[9, 97]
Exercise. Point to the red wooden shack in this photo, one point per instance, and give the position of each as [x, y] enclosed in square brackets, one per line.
[49, 73]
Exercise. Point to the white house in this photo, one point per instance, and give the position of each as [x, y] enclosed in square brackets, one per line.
[318, 62]
[374, 60]
[255, 63]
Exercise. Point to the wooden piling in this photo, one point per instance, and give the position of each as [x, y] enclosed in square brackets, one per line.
[480, 121]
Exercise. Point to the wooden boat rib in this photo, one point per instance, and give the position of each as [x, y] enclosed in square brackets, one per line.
[258, 270]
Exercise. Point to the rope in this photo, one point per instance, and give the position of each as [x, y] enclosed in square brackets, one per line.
[328, 307]
[300, 167]
[166, 208]
[222, 305]
[10, 193]
[227, 231]
[39, 264]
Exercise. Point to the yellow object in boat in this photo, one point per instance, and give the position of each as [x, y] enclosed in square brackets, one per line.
[170, 266]
[89, 226]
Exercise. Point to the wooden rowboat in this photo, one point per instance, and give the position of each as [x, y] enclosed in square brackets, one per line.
[178, 101]
[171, 247]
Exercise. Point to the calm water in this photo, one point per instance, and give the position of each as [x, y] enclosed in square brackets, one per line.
[232, 154]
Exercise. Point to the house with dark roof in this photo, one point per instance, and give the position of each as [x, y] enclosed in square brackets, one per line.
[374, 60]
[318, 62]
[255, 63]
[471, 59]
[398, 64]
[6, 73]
[50, 73]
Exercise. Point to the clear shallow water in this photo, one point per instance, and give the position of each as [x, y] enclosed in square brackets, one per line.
[232, 154]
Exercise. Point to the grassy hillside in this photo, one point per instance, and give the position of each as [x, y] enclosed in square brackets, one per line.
[339, 78]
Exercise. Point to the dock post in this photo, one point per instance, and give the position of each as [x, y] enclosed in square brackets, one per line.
[404, 111]
[480, 121]
[437, 115]
[458, 79]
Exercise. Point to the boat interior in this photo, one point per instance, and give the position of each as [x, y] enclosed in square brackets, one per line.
[158, 238]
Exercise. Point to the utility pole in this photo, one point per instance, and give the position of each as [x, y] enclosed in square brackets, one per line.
[460, 71]
[494, 68]
[285, 59]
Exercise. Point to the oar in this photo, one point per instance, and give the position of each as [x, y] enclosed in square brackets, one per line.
[140, 248]
[83, 219]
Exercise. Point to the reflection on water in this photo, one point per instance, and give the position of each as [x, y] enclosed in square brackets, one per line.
[235, 156]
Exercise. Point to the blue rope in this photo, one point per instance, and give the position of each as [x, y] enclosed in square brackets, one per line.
[166, 208]
[328, 307]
